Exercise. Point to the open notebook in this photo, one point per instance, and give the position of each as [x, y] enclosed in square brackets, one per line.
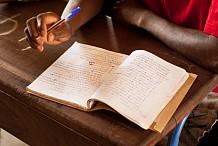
[141, 86]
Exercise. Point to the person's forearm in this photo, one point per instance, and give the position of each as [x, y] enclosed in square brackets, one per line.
[89, 9]
[195, 45]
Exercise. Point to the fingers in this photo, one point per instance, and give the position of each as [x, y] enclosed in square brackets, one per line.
[36, 30]
[32, 27]
[45, 20]
[34, 42]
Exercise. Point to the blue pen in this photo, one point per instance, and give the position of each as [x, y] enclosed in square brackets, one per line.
[57, 24]
[69, 16]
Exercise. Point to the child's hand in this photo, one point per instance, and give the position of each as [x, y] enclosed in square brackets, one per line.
[36, 31]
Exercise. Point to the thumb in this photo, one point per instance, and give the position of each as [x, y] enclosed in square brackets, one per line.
[60, 34]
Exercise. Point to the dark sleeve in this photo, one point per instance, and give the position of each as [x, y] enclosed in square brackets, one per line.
[210, 138]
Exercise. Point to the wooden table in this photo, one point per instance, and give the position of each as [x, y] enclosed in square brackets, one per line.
[40, 122]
